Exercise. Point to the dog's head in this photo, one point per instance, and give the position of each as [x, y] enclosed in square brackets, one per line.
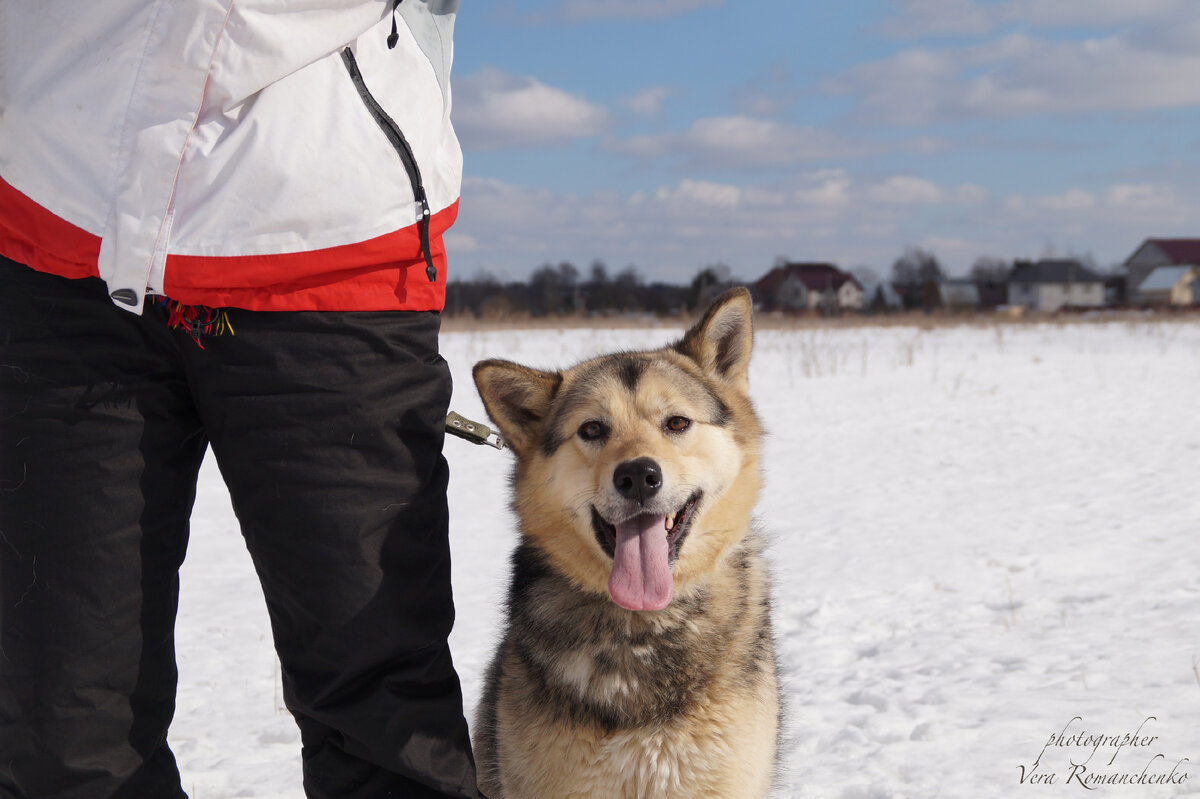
[636, 472]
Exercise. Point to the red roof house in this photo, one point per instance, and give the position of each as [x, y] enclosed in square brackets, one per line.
[1153, 253]
[802, 286]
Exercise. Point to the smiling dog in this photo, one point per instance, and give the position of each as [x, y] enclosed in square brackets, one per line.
[638, 658]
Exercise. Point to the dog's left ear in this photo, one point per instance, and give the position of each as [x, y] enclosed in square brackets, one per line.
[721, 341]
[517, 399]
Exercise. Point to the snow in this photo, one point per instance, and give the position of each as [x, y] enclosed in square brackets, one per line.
[982, 537]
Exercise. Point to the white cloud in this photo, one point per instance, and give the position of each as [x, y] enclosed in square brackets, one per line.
[970, 194]
[700, 193]
[927, 18]
[906, 190]
[768, 92]
[829, 214]
[649, 101]
[1094, 75]
[1070, 200]
[1018, 75]
[584, 10]
[1140, 196]
[1182, 36]
[1092, 13]
[668, 232]
[827, 191]
[460, 242]
[937, 18]
[928, 145]
[739, 140]
[1133, 206]
[749, 138]
[495, 110]
[912, 190]
[908, 88]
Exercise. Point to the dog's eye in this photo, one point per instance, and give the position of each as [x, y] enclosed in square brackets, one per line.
[593, 430]
[677, 424]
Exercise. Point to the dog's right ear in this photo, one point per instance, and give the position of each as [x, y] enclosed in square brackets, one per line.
[517, 399]
[721, 341]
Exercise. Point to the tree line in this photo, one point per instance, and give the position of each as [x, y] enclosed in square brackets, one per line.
[562, 289]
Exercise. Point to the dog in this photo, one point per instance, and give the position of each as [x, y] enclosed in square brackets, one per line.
[638, 659]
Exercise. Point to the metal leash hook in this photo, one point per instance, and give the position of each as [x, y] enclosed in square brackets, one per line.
[476, 433]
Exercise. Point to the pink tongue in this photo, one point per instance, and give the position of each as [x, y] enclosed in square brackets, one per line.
[641, 575]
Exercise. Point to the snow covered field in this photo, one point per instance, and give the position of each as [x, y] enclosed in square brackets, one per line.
[983, 537]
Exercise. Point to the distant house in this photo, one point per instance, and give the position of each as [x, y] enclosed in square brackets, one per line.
[958, 294]
[1171, 285]
[1051, 284]
[808, 286]
[1115, 292]
[1153, 253]
[992, 293]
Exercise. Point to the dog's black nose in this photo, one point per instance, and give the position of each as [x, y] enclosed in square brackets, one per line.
[638, 479]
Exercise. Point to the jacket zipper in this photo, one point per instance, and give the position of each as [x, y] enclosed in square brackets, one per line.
[402, 148]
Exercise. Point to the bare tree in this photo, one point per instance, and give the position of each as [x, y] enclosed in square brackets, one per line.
[627, 287]
[552, 289]
[988, 269]
[916, 267]
[599, 272]
[708, 283]
[915, 274]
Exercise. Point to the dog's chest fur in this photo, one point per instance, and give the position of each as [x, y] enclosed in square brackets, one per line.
[606, 702]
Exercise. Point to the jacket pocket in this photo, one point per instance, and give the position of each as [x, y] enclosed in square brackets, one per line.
[400, 144]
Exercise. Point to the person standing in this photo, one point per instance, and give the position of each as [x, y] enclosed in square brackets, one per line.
[221, 226]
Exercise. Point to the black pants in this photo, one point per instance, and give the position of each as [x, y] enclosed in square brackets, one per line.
[328, 431]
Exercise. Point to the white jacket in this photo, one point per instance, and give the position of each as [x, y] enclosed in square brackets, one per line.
[223, 152]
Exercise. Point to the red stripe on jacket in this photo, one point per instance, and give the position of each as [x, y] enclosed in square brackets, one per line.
[34, 236]
[363, 276]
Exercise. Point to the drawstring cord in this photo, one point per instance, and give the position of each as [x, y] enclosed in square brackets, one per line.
[395, 34]
[198, 321]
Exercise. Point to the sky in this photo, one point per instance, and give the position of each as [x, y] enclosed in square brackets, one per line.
[673, 135]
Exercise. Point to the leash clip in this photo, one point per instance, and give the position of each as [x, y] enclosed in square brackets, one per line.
[476, 433]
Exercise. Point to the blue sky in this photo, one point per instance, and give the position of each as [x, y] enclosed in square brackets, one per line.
[675, 134]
